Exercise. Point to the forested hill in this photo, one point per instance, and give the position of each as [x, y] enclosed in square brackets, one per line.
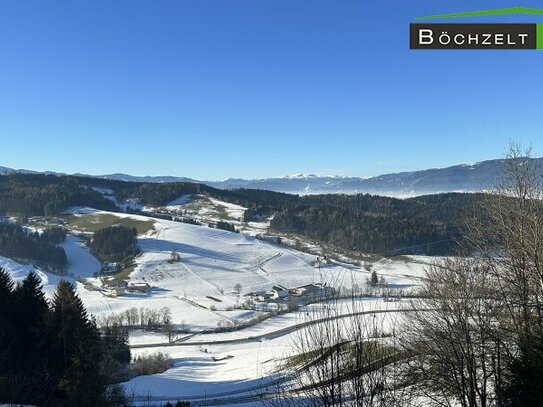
[427, 224]
[45, 195]
[48, 195]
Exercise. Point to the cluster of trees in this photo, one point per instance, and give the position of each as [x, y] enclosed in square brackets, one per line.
[54, 235]
[52, 353]
[114, 243]
[429, 224]
[46, 195]
[16, 242]
[143, 317]
[225, 226]
[188, 220]
[151, 364]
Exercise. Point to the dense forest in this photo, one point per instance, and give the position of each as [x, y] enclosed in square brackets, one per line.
[18, 243]
[54, 234]
[114, 243]
[260, 203]
[51, 353]
[46, 195]
[427, 224]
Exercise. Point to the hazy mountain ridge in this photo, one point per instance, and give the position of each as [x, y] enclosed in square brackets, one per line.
[475, 177]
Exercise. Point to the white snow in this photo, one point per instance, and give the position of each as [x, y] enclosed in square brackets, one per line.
[182, 200]
[211, 263]
[81, 263]
[211, 370]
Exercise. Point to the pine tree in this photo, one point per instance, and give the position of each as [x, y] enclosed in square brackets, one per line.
[374, 278]
[6, 328]
[524, 386]
[116, 351]
[75, 345]
[53, 354]
[30, 311]
[6, 285]
[30, 300]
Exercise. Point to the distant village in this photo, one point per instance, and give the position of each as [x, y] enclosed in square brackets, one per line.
[276, 298]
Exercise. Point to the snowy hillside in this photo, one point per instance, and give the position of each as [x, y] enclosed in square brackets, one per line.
[199, 290]
[211, 263]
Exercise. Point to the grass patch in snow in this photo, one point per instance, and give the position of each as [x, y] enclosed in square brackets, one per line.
[365, 352]
[95, 221]
[123, 274]
[302, 359]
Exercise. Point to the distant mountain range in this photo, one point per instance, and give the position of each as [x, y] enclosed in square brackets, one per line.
[459, 178]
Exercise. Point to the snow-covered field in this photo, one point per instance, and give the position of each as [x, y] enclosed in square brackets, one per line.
[202, 369]
[211, 263]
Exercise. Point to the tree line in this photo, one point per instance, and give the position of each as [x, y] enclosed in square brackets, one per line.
[143, 317]
[46, 195]
[427, 225]
[51, 352]
[114, 243]
[16, 242]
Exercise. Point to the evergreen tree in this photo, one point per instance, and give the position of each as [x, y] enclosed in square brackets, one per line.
[6, 285]
[114, 243]
[30, 301]
[6, 329]
[30, 312]
[116, 351]
[374, 278]
[76, 352]
[53, 354]
[524, 386]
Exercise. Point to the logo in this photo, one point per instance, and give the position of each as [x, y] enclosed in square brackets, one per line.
[478, 36]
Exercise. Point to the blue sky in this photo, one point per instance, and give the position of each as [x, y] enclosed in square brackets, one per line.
[212, 89]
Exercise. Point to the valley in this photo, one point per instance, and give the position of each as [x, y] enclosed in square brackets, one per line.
[223, 341]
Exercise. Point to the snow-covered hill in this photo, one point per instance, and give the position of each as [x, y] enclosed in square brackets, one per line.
[199, 291]
[212, 262]
[475, 177]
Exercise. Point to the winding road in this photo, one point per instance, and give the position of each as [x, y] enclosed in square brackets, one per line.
[255, 393]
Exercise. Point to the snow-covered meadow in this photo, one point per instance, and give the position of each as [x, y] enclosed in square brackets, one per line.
[199, 291]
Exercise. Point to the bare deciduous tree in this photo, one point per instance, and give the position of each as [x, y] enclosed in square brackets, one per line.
[509, 236]
[482, 312]
[451, 336]
[343, 357]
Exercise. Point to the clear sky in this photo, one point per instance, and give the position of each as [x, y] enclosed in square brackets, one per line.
[212, 89]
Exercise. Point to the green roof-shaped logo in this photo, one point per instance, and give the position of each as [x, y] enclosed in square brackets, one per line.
[487, 13]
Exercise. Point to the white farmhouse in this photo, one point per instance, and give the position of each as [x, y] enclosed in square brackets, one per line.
[278, 291]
